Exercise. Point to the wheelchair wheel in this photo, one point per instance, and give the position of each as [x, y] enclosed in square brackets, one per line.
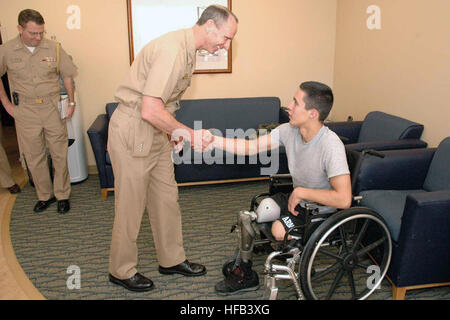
[354, 244]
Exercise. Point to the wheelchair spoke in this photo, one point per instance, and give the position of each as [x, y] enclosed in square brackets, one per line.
[370, 247]
[344, 240]
[351, 282]
[330, 254]
[323, 273]
[335, 283]
[361, 234]
[362, 266]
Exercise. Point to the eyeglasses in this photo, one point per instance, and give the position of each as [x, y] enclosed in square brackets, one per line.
[34, 34]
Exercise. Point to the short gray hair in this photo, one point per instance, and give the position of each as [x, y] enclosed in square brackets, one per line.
[219, 14]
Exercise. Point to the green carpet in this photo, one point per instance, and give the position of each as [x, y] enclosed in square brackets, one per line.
[47, 244]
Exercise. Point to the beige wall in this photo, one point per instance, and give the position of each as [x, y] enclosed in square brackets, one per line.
[278, 45]
[402, 69]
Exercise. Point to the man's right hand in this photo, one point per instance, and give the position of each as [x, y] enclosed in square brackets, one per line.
[201, 140]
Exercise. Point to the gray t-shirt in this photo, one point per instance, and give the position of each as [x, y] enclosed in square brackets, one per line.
[312, 164]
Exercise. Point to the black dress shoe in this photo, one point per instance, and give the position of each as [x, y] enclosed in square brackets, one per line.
[14, 189]
[185, 268]
[63, 206]
[42, 205]
[137, 283]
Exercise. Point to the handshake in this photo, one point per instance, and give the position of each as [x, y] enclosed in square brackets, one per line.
[200, 140]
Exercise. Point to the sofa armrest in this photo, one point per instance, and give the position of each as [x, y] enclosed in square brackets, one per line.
[398, 170]
[98, 136]
[388, 145]
[100, 127]
[349, 130]
[412, 132]
[426, 208]
[424, 239]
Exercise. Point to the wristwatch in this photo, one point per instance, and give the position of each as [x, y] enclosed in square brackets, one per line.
[72, 104]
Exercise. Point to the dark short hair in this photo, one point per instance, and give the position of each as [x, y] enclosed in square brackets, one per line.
[219, 14]
[318, 96]
[30, 15]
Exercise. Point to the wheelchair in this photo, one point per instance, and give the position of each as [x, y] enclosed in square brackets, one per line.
[318, 255]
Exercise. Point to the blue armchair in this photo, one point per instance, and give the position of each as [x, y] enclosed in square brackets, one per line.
[98, 135]
[379, 131]
[411, 190]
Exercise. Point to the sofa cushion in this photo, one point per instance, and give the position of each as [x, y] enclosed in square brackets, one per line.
[390, 204]
[380, 126]
[232, 113]
[438, 176]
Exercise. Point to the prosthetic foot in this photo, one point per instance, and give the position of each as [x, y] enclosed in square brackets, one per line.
[242, 279]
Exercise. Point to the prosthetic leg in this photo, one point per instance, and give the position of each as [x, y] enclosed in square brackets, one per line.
[238, 272]
[249, 225]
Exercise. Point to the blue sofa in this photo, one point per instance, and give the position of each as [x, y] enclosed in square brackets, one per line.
[220, 114]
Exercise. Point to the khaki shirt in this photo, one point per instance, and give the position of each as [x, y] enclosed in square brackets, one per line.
[34, 74]
[163, 69]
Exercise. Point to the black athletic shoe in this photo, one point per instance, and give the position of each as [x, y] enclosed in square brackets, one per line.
[236, 282]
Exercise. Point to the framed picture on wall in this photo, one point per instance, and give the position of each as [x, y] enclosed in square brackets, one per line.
[149, 19]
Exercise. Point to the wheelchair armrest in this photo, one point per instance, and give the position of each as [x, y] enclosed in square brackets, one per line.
[398, 170]
[424, 236]
[349, 130]
[388, 145]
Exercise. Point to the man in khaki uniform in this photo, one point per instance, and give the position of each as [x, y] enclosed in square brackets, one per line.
[6, 178]
[34, 65]
[140, 149]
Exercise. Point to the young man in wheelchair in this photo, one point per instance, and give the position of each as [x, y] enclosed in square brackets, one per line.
[318, 165]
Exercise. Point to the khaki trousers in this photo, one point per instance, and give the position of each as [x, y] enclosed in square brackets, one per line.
[6, 178]
[39, 126]
[144, 179]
